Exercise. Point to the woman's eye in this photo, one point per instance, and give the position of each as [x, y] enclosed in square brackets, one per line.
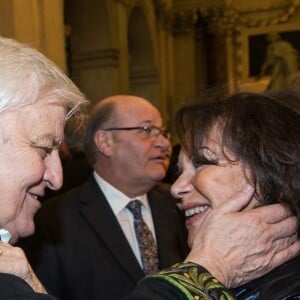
[198, 164]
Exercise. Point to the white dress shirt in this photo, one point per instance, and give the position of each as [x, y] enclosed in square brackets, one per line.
[118, 202]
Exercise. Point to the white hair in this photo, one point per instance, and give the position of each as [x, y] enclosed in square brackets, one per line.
[26, 76]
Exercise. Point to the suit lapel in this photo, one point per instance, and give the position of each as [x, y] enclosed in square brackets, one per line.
[99, 215]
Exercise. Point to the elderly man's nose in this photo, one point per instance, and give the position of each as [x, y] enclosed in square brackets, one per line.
[53, 173]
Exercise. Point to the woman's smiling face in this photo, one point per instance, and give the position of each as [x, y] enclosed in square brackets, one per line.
[203, 187]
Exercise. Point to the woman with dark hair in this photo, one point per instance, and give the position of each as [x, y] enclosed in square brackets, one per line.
[248, 139]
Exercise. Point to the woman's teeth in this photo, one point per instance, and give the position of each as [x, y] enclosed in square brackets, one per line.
[195, 210]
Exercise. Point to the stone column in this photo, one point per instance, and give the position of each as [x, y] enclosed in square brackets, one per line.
[39, 23]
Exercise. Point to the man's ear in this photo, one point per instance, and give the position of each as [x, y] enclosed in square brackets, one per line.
[104, 141]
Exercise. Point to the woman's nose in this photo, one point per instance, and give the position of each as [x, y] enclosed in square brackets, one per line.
[182, 186]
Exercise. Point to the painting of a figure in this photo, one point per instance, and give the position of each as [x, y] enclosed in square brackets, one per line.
[275, 55]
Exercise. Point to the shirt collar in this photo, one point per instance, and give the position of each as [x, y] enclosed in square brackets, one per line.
[116, 199]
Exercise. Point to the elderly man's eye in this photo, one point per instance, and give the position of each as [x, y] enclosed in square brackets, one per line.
[44, 151]
[47, 150]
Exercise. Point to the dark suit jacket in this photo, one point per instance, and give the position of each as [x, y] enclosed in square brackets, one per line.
[15, 288]
[79, 250]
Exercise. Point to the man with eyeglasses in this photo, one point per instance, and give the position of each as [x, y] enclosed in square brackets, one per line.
[85, 245]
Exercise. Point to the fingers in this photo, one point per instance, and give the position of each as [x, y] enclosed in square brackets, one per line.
[286, 254]
[9, 248]
[284, 229]
[284, 243]
[237, 203]
[4, 246]
[273, 213]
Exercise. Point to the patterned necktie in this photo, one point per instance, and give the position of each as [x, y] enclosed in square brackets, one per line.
[145, 239]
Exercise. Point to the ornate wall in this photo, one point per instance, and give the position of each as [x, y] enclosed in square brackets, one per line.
[164, 50]
[39, 23]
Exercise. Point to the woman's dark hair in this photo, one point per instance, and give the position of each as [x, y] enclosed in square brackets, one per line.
[260, 132]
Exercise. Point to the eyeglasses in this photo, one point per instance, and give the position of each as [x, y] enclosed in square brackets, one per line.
[148, 131]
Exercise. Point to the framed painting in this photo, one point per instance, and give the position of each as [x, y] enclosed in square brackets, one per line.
[255, 69]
